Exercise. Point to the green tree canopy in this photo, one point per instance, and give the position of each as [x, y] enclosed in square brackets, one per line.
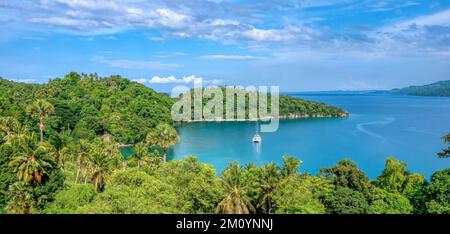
[290, 165]
[235, 200]
[141, 155]
[268, 184]
[164, 136]
[438, 193]
[445, 153]
[135, 192]
[71, 200]
[21, 200]
[40, 109]
[346, 201]
[295, 196]
[393, 176]
[384, 202]
[346, 174]
[197, 184]
[30, 160]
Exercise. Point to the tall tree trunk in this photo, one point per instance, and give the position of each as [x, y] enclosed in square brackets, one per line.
[78, 171]
[164, 154]
[270, 206]
[41, 127]
[61, 157]
[87, 173]
[96, 183]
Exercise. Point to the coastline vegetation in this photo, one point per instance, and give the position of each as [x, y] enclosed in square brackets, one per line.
[59, 153]
[289, 107]
[445, 153]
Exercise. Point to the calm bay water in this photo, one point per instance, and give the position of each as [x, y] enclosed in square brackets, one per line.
[379, 126]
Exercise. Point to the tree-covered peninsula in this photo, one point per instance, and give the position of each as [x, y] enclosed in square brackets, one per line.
[249, 105]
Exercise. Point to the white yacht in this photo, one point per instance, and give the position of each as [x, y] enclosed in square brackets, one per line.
[256, 137]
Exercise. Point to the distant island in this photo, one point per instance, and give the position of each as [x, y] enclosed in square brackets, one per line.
[440, 88]
[289, 108]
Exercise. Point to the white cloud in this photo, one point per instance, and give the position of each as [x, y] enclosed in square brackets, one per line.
[156, 38]
[134, 64]
[172, 19]
[174, 80]
[419, 36]
[380, 6]
[169, 79]
[142, 81]
[69, 22]
[169, 54]
[102, 17]
[231, 57]
[194, 19]
[85, 4]
[231, 22]
[438, 19]
[222, 22]
[28, 81]
[267, 35]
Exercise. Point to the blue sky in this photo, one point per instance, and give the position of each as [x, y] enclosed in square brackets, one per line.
[299, 45]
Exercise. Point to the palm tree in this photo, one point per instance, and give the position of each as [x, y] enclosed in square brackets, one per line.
[290, 166]
[164, 136]
[40, 109]
[236, 200]
[21, 199]
[141, 155]
[30, 159]
[113, 151]
[100, 162]
[83, 156]
[9, 125]
[269, 181]
[62, 143]
[100, 169]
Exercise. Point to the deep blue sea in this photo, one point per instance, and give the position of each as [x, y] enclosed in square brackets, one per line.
[380, 125]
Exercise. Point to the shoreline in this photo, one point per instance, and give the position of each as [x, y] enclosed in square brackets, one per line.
[291, 116]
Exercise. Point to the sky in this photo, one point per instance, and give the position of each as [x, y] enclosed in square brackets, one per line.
[301, 45]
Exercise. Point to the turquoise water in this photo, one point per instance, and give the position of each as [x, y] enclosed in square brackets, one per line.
[379, 126]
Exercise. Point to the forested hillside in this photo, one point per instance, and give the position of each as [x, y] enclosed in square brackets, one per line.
[89, 106]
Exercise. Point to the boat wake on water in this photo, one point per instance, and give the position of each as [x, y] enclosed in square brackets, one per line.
[361, 127]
